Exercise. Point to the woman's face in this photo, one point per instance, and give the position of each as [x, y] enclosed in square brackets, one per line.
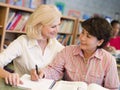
[88, 42]
[51, 30]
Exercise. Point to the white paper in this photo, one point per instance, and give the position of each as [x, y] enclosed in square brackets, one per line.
[42, 84]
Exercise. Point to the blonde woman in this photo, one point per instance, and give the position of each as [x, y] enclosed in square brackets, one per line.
[37, 47]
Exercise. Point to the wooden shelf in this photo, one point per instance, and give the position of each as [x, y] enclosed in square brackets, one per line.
[64, 33]
[1, 26]
[118, 65]
[16, 7]
[10, 31]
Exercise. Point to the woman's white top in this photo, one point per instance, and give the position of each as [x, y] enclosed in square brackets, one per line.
[26, 53]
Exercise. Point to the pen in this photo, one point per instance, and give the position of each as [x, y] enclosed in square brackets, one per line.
[53, 83]
[36, 68]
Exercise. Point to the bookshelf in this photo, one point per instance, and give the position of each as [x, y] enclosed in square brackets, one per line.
[5, 10]
[78, 31]
[67, 30]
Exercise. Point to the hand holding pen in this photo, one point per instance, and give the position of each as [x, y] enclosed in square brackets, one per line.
[36, 74]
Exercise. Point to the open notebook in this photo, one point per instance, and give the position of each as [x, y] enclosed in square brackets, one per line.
[68, 85]
[48, 84]
[42, 84]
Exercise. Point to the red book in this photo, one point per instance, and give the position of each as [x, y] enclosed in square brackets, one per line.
[18, 17]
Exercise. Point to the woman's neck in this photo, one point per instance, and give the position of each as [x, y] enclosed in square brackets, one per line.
[88, 54]
[43, 43]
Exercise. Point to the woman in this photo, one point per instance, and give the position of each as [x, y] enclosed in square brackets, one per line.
[38, 47]
[87, 62]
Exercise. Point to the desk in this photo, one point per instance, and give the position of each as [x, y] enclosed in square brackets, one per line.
[3, 86]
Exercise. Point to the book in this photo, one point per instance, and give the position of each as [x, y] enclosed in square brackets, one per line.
[19, 16]
[41, 84]
[10, 18]
[20, 25]
[76, 85]
[49, 84]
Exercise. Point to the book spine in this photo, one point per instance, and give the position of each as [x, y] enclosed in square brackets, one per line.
[10, 20]
[16, 22]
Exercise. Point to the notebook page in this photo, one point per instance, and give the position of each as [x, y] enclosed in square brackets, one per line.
[43, 84]
[93, 86]
[68, 85]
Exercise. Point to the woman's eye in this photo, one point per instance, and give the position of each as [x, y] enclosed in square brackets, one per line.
[53, 26]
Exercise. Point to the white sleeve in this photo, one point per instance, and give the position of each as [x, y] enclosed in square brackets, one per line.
[12, 51]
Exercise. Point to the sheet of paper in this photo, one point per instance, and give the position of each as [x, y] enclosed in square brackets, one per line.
[42, 84]
[93, 86]
[66, 85]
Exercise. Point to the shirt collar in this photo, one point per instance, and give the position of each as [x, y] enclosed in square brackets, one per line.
[33, 42]
[78, 51]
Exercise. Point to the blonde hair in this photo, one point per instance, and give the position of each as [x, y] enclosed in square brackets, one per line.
[43, 15]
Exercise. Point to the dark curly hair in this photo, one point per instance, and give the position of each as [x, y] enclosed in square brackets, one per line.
[99, 28]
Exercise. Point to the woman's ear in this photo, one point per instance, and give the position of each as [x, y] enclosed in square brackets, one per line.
[100, 42]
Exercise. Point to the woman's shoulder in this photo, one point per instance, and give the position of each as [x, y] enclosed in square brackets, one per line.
[22, 39]
[72, 48]
[106, 55]
[104, 52]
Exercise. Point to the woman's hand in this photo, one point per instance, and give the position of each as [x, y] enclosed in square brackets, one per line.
[13, 79]
[35, 76]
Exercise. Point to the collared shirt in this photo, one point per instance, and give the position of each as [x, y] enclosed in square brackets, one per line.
[70, 65]
[27, 53]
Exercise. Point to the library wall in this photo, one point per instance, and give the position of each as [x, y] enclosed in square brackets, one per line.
[90, 7]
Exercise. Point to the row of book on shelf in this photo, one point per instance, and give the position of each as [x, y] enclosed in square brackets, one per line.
[25, 3]
[64, 39]
[17, 20]
[66, 26]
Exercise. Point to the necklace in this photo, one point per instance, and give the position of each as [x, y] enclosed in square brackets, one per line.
[85, 60]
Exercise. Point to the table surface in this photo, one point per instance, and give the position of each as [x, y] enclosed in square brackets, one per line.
[3, 86]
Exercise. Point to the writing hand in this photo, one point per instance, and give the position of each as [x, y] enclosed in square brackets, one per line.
[35, 76]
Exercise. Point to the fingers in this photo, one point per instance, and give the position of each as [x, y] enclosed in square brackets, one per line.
[41, 75]
[34, 75]
[12, 79]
